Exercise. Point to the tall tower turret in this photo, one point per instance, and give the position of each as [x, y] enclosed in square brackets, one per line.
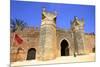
[78, 31]
[47, 44]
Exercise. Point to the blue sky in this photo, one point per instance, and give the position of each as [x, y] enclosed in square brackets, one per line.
[30, 12]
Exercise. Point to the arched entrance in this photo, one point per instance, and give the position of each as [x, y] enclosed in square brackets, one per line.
[64, 48]
[31, 54]
[20, 54]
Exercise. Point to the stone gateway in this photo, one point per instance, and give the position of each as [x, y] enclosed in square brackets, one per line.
[50, 42]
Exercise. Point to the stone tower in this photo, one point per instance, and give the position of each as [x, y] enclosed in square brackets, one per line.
[78, 31]
[47, 42]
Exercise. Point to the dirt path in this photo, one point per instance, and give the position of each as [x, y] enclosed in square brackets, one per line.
[65, 59]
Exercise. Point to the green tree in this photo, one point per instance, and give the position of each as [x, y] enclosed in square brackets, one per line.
[17, 25]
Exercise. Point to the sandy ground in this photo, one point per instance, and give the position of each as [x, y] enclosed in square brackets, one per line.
[64, 59]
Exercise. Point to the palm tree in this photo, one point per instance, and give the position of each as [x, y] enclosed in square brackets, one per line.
[17, 25]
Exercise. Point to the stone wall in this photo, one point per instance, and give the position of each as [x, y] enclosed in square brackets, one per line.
[30, 40]
[68, 36]
[89, 43]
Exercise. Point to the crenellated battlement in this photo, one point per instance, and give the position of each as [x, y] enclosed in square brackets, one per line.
[48, 17]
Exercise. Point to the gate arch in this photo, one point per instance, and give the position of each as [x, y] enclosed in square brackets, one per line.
[31, 54]
[64, 48]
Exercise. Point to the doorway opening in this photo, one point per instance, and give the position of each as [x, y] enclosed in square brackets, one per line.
[64, 48]
[31, 55]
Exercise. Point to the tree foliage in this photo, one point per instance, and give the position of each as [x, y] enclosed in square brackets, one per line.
[17, 24]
